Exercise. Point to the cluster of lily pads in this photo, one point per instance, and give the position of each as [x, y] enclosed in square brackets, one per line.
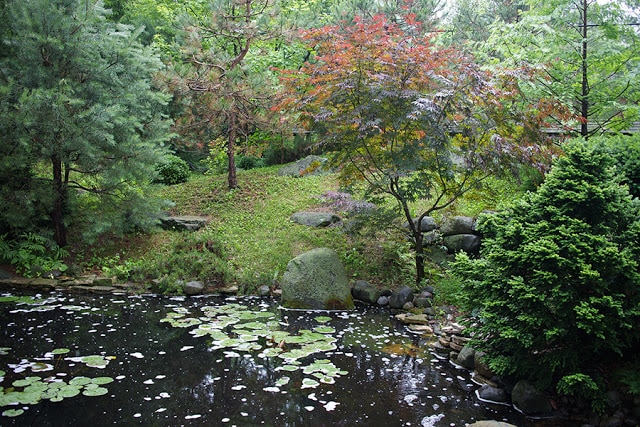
[31, 390]
[236, 328]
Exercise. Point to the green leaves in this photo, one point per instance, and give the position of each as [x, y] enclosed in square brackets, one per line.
[558, 287]
[87, 110]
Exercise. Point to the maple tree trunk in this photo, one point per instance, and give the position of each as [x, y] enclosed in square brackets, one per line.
[419, 258]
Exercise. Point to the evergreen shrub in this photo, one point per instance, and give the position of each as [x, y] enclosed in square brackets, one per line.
[172, 171]
[556, 290]
[626, 152]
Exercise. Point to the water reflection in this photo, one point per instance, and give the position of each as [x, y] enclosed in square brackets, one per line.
[165, 376]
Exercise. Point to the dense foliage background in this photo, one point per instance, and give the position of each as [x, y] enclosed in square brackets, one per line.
[113, 113]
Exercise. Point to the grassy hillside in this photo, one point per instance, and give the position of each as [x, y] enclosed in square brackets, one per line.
[250, 239]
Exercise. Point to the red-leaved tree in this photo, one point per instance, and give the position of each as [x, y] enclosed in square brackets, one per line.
[411, 120]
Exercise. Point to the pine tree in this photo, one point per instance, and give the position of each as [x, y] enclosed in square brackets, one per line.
[79, 113]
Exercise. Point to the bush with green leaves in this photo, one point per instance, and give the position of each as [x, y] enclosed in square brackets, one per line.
[32, 254]
[247, 162]
[626, 152]
[172, 171]
[556, 290]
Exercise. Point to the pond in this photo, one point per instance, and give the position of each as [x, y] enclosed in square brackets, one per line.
[155, 360]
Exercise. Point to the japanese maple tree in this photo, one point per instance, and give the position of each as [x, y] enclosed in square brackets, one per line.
[407, 118]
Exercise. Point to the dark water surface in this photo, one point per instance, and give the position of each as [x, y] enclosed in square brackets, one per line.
[166, 376]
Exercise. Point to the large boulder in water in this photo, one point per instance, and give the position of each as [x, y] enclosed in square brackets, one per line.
[316, 280]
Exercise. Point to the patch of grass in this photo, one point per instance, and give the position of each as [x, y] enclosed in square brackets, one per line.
[253, 237]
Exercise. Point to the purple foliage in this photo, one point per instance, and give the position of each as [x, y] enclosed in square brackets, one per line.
[343, 202]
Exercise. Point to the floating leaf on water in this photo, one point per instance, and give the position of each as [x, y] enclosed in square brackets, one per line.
[80, 381]
[41, 367]
[271, 352]
[4, 351]
[187, 322]
[324, 329]
[37, 387]
[199, 332]
[288, 368]
[330, 406]
[13, 412]
[282, 381]
[97, 391]
[10, 398]
[248, 346]
[103, 380]
[25, 381]
[69, 391]
[95, 361]
[249, 325]
[309, 383]
[323, 319]
[60, 351]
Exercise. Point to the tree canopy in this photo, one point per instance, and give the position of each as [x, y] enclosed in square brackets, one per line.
[412, 121]
[81, 118]
[588, 56]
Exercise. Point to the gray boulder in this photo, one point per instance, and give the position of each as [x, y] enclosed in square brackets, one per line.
[4, 274]
[458, 225]
[528, 399]
[469, 243]
[400, 297]
[383, 301]
[466, 357]
[365, 292]
[316, 280]
[488, 393]
[481, 368]
[181, 223]
[193, 288]
[427, 224]
[310, 165]
[315, 219]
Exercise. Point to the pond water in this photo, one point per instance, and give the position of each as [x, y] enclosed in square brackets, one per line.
[152, 360]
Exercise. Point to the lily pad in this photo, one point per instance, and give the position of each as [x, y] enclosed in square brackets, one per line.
[25, 381]
[80, 381]
[41, 367]
[60, 351]
[309, 383]
[95, 361]
[324, 329]
[13, 412]
[69, 391]
[282, 381]
[98, 391]
[323, 319]
[102, 380]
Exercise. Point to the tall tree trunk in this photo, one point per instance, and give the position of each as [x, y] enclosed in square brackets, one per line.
[57, 214]
[232, 177]
[584, 93]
